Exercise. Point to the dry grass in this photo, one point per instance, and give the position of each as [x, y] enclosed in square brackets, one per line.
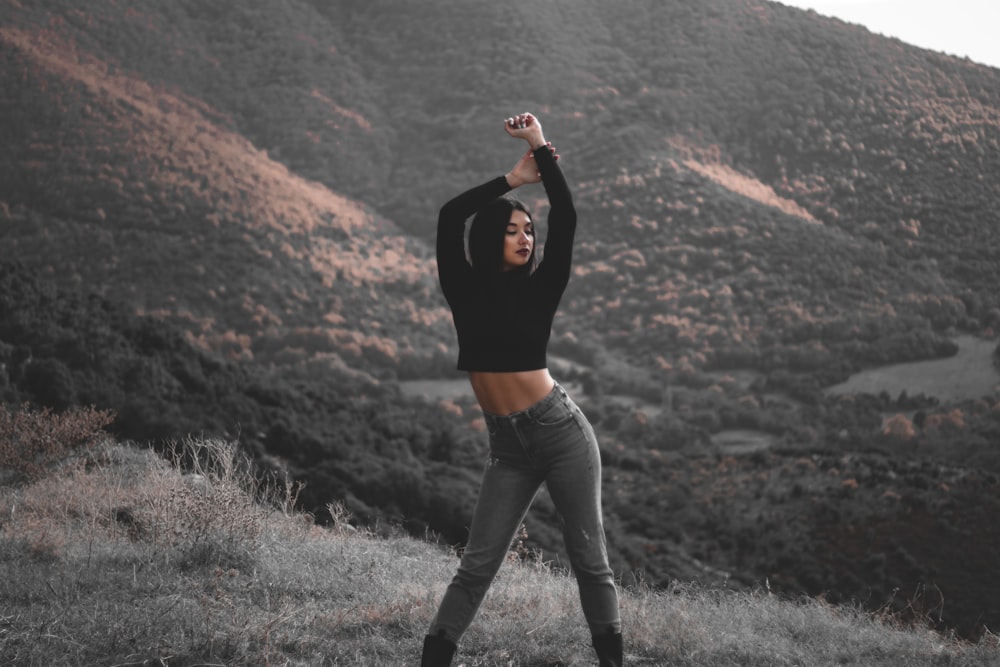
[119, 558]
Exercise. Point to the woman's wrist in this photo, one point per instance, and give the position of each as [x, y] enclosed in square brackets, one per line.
[512, 181]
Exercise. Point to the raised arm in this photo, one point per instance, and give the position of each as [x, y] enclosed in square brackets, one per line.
[555, 267]
[536, 165]
[454, 270]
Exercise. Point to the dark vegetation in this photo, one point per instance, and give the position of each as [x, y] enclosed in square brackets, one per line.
[349, 437]
[221, 218]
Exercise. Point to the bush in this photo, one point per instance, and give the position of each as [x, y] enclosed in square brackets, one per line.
[213, 515]
[32, 441]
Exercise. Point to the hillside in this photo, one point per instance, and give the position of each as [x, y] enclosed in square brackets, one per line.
[116, 556]
[769, 200]
[734, 123]
[159, 203]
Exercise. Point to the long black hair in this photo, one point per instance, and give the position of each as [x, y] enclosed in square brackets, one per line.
[486, 240]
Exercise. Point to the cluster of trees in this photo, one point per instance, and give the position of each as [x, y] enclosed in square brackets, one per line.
[151, 198]
[715, 293]
[832, 129]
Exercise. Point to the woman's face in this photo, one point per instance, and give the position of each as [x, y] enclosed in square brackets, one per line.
[519, 241]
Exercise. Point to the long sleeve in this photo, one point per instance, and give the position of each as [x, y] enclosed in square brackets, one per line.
[504, 326]
[454, 270]
[554, 270]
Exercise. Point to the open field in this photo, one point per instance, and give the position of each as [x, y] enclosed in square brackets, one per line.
[968, 375]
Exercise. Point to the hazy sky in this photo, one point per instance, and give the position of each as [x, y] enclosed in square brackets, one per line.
[956, 27]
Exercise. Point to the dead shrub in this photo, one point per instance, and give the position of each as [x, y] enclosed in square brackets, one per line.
[210, 514]
[33, 441]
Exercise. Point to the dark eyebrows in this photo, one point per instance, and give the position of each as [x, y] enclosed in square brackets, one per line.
[529, 225]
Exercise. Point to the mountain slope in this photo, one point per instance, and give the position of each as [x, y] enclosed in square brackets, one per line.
[149, 195]
[886, 142]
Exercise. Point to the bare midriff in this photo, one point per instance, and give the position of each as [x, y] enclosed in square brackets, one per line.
[506, 393]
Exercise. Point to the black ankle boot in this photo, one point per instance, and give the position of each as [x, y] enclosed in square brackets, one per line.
[438, 651]
[609, 649]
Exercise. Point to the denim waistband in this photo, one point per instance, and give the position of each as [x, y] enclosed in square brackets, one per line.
[541, 406]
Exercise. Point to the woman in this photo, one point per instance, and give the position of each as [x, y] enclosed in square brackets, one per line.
[503, 306]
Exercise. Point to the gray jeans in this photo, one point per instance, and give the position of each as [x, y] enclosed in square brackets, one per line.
[550, 442]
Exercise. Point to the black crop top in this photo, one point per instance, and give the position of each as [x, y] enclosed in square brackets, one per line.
[510, 332]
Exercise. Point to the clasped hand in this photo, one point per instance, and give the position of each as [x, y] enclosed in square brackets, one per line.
[526, 126]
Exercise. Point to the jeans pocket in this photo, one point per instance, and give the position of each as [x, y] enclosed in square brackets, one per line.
[557, 414]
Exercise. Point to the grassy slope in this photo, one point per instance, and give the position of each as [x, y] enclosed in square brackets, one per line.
[117, 558]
